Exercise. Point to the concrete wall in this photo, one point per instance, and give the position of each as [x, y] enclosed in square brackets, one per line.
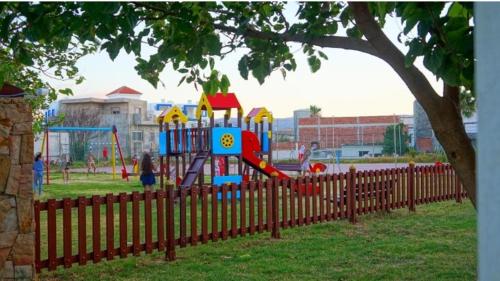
[17, 235]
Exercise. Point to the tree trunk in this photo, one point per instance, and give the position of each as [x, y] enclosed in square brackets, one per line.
[443, 112]
[449, 128]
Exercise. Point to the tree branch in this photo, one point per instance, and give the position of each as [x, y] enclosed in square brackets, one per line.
[412, 76]
[338, 42]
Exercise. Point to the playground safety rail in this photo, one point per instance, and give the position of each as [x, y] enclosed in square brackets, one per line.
[166, 219]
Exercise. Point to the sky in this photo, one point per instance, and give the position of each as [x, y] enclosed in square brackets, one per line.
[349, 83]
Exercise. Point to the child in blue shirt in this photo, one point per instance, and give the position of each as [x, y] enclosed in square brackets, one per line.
[38, 173]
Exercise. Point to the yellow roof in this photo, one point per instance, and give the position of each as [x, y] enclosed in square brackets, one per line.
[171, 115]
[258, 114]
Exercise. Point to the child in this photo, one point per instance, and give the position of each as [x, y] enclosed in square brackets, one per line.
[65, 163]
[221, 163]
[147, 175]
[38, 173]
[304, 164]
[301, 152]
[90, 163]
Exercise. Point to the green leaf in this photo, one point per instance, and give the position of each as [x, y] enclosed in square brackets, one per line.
[224, 84]
[283, 73]
[354, 32]
[314, 63]
[322, 55]
[457, 10]
[113, 49]
[182, 80]
[212, 63]
[243, 67]
[332, 28]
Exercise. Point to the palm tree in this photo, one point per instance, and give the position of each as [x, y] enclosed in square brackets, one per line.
[315, 110]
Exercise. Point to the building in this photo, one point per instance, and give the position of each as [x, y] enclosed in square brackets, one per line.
[350, 137]
[134, 118]
[298, 114]
[425, 139]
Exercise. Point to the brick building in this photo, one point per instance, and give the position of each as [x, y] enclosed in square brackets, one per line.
[359, 130]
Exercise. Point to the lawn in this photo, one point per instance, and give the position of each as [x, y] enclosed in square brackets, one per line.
[438, 242]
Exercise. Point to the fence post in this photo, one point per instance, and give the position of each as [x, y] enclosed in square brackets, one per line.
[458, 192]
[351, 188]
[410, 185]
[275, 209]
[170, 253]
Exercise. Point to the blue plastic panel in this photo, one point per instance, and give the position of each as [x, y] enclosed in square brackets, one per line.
[179, 139]
[218, 147]
[163, 143]
[265, 142]
[228, 195]
[220, 180]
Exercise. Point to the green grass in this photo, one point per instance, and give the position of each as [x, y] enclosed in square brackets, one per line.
[437, 242]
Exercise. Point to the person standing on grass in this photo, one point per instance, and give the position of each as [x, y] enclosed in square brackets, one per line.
[90, 163]
[304, 164]
[147, 172]
[65, 163]
[38, 173]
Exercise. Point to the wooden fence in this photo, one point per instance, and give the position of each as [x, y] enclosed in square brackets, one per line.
[70, 231]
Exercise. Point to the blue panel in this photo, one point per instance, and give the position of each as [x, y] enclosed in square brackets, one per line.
[188, 144]
[220, 138]
[228, 195]
[163, 143]
[265, 142]
[220, 180]
[179, 139]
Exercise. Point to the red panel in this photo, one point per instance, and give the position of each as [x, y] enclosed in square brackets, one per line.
[223, 101]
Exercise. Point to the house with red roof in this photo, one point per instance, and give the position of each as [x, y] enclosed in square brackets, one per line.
[124, 92]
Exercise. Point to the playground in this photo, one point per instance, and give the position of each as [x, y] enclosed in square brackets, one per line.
[219, 181]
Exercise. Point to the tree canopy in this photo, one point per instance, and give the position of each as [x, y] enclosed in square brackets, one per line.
[315, 110]
[51, 36]
[39, 37]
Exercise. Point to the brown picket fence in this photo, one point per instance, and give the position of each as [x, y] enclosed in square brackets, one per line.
[98, 228]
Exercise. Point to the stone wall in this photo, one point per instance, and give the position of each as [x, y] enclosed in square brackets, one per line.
[16, 192]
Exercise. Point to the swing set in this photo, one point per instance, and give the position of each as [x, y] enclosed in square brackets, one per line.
[114, 142]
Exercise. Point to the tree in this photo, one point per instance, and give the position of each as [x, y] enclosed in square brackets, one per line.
[191, 36]
[396, 142]
[315, 111]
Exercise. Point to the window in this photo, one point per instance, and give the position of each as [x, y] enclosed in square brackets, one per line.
[138, 111]
[137, 136]
[363, 153]
[152, 137]
[115, 110]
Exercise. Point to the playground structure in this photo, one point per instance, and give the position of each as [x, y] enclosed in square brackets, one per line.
[184, 151]
[115, 144]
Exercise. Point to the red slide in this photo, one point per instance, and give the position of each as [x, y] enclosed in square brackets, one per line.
[250, 145]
